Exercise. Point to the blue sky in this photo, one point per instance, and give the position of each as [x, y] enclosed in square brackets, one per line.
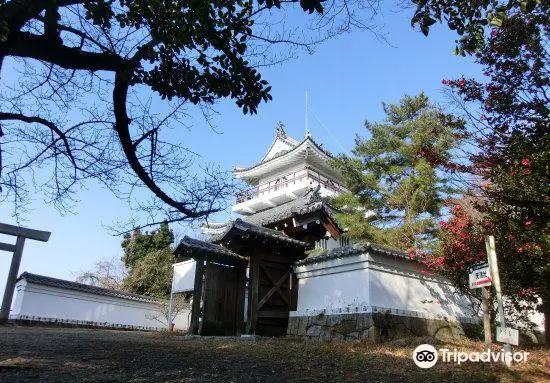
[346, 78]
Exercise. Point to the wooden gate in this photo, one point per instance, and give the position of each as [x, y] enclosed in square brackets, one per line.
[272, 295]
[220, 280]
[223, 307]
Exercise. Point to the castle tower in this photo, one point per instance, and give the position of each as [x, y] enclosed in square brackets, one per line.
[288, 170]
[286, 191]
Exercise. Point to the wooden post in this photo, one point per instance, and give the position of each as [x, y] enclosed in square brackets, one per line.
[486, 318]
[21, 233]
[253, 295]
[493, 268]
[241, 285]
[293, 291]
[197, 297]
[18, 231]
[12, 278]
[169, 321]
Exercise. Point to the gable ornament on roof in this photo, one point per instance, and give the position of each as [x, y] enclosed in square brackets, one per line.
[280, 130]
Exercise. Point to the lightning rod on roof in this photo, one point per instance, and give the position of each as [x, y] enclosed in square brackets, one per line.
[307, 128]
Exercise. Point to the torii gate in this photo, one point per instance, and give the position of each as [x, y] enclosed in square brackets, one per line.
[21, 233]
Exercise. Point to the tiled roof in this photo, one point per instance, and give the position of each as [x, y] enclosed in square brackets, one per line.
[353, 249]
[214, 225]
[241, 227]
[282, 135]
[190, 246]
[81, 287]
[284, 152]
[213, 228]
[309, 203]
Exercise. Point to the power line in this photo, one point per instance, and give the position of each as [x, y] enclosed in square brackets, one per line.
[326, 128]
[307, 128]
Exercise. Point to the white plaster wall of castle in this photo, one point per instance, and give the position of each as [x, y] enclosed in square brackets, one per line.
[278, 146]
[332, 286]
[331, 243]
[50, 304]
[291, 175]
[269, 180]
[286, 181]
[367, 283]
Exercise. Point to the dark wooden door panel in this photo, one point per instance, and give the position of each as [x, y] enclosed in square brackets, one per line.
[222, 300]
[274, 296]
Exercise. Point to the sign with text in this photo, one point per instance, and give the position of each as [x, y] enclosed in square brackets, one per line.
[184, 276]
[480, 276]
[508, 335]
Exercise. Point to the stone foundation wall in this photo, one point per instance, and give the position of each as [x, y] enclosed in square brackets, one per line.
[374, 326]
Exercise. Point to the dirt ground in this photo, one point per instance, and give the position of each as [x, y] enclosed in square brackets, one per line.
[78, 355]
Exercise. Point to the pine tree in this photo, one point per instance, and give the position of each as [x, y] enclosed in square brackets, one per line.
[396, 196]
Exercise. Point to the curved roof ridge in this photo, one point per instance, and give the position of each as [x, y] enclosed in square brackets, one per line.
[242, 225]
[354, 249]
[213, 225]
[190, 246]
[310, 202]
[261, 230]
[281, 135]
[285, 152]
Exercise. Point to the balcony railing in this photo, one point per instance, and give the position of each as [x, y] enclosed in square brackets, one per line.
[287, 180]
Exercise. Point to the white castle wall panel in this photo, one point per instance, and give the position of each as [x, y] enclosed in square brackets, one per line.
[373, 283]
[45, 303]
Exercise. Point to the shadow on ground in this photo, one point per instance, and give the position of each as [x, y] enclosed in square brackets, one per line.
[75, 355]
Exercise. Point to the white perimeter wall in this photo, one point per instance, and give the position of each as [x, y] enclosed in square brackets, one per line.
[47, 303]
[377, 283]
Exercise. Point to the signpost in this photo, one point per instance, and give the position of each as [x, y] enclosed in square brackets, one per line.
[484, 275]
[480, 277]
[508, 335]
[183, 279]
[493, 268]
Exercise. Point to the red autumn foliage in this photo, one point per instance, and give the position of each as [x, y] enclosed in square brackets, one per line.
[463, 245]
